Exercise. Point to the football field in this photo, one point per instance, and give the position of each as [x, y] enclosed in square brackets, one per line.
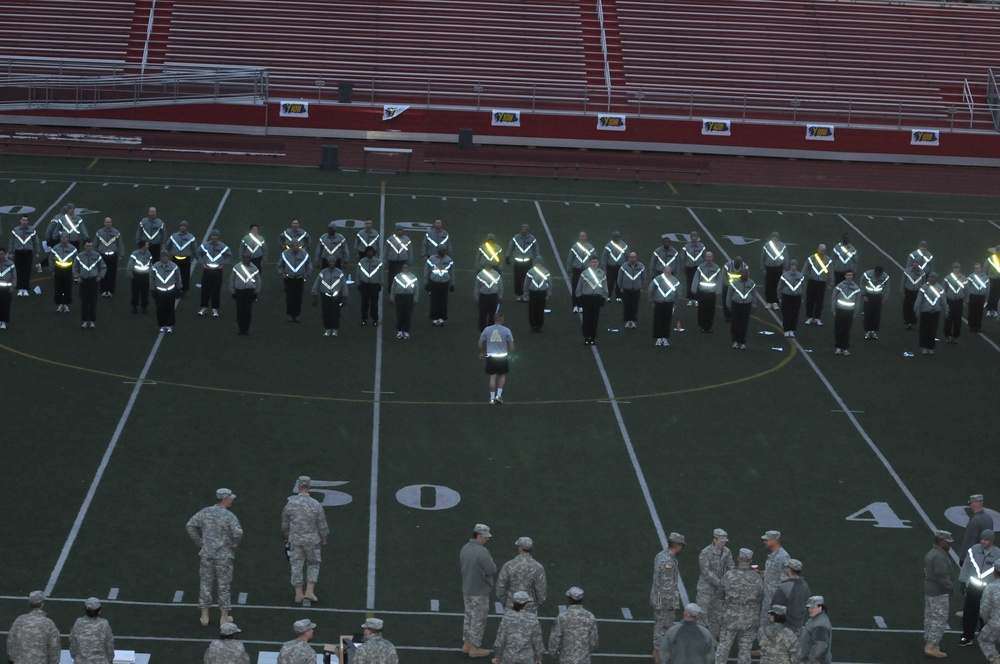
[113, 438]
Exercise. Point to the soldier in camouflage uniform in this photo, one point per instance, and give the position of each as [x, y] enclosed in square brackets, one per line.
[375, 649]
[304, 527]
[522, 573]
[217, 533]
[989, 612]
[665, 596]
[298, 650]
[742, 589]
[519, 639]
[574, 636]
[478, 569]
[778, 644]
[714, 560]
[226, 649]
[91, 640]
[775, 571]
[33, 638]
[939, 583]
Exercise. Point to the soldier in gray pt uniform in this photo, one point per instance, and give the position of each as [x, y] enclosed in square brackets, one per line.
[298, 651]
[775, 570]
[522, 572]
[817, 636]
[687, 642]
[939, 583]
[33, 637]
[478, 569]
[989, 611]
[375, 649]
[91, 640]
[714, 560]
[665, 596]
[574, 636]
[742, 589]
[792, 593]
[226, 649]
[778, 644]
[304, 527]
[217, 533]
[519, 638]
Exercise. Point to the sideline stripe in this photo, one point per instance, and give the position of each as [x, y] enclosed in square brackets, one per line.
[840, 402]
[618, 413]
[85, 507]
[376, 415]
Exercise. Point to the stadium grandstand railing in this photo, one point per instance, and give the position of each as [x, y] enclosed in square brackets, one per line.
[993, 100]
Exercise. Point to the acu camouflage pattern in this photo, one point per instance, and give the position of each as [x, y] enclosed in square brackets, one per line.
[936, 617]
[714, 563]
[477, 607]
[519, 638]
[229, 651]
[217, 531]
[574, 636]
[303, 524]
[989, 611]
[522, 573]
[742, 589]
[33, 639]
[774, 573]
[375, 650]
[664, 596]
[296, 651]
[91, 641]
[778, 644]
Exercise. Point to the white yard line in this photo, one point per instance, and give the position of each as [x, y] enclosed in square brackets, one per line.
[44, 216]
[376, 415]
[644, 487]
[85, 507]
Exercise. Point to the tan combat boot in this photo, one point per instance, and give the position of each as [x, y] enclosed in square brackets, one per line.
[477, 652]
[466, 646]
[656, 656]
[310, 594]
[225, 618]
[204, 618]
[298, 594]
[932, 650]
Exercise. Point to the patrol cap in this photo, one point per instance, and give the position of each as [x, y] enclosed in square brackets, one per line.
[36, 597]
[482, 529]
[372, 623]
[720, 535]
[64, 234]
[923, 244]
[304, 480]
[491, 236]
[665, 236]
[996, 565]
[793, 262]
[183, 224]
[521, 597]
[794, 563]
[616, 234]
[976, 498]
[92, 604]
[303, 626]
[778, 609]
[676, 538]
[332, 224]
[814, 601]
[164, 252]
[525, 227]
[692, 609]
[577, 593]
[524, 543]
[229, 629]
[399, 227]
[943, 535]
[775, 235]
[69, 206]
[225, 494]
[932, 275]
[214, 233]
[956, 266]
[987, 535]
[694, 234]
[746, 554]
[771, 534]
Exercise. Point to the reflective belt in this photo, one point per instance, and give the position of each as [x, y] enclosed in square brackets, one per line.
[708, 281]
[789, 284]
[950, 280]
[66, 261]
[538, 284]
[621, 252]
[25, 241]
[163, 281]
[914, 281]
[772, 251]
[524, 250]
[981, 283]
[492, 280]
[580, 259]
[493, 255]
[330, 287]
[405, 281]
[937, 295]
[330, 251]
[815, 260]
[696, 257]
[664, 294]
[927, 259]
[72, 228]
[244, 275]
[500, 355]
[399, 246]
[293, 268]
[594, 283]
[140, 267]
[846, 300]
[870, 285]
[744, 296]
[372, 273]
[980, 575]
[845, 255]
[181, 247]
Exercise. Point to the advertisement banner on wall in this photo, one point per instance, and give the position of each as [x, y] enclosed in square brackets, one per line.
[294, 109]
[925, 137]
[715, 127]
[815, 132]
[610, 122]
[390, 112]
[506, 118]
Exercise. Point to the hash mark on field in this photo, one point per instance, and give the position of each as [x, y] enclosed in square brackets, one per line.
[135, 186]
[628, 207]
[166, 186]
[505, 200]
[435, 605]
[178, 596]
[562, 609]
[626, 613]
[45, 181]
[412, 198]
[197, 188]
[565, 202]
[780, 213]
[242, 599]
[290, 191]
[444, 198]
[105, 184]
[597, 205]
[749, 211]
[498, 607]
[260, 191]
[658, 207]
[475, 200]
[880, 621]
[113, 593]
[320, 193]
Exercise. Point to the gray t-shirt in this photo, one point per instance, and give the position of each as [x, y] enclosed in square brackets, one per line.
[496, 338]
